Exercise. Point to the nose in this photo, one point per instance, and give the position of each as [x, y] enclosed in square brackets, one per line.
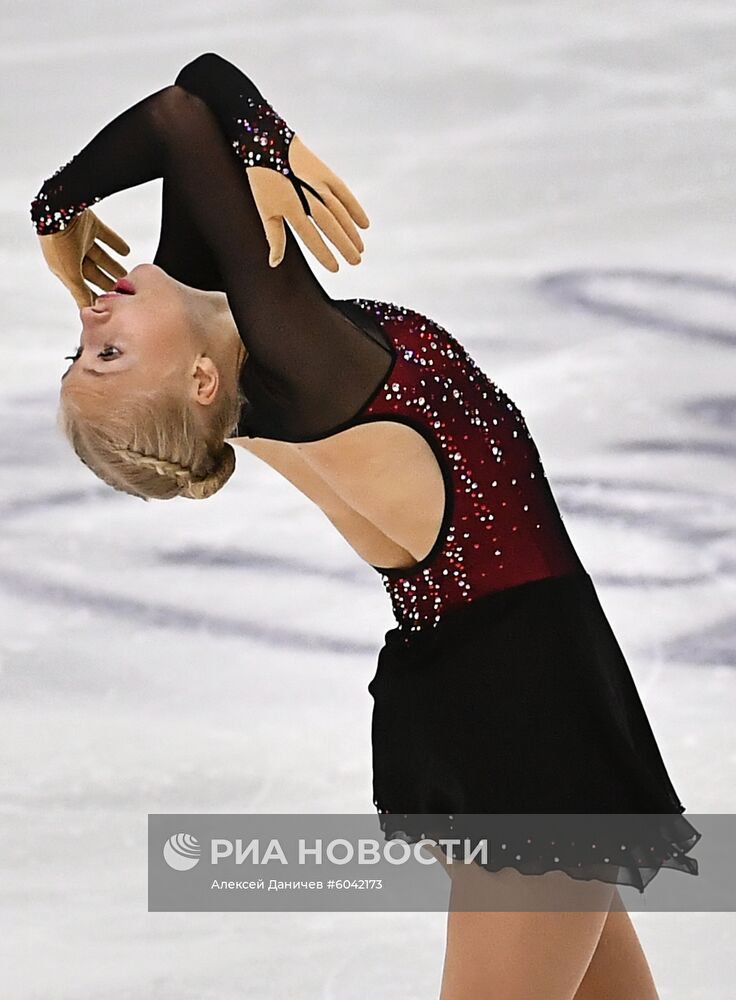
[87, 311]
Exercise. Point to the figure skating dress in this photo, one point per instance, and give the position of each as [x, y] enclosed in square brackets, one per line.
[502, 689]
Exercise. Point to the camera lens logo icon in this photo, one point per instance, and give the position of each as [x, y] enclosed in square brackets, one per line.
[182, 851]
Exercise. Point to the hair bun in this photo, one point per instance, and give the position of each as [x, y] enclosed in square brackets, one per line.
[200, 489]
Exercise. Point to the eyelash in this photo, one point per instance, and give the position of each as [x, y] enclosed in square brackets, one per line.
[75, 357]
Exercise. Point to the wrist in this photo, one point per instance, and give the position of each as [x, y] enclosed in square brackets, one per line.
[262, 137]
[49, 221]
[69, 228]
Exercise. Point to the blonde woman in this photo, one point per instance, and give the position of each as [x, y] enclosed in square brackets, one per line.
[502, 688]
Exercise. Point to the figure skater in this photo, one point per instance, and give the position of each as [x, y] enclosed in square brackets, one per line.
[502, 689]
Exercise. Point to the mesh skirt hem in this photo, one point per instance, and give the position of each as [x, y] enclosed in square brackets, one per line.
[620, 850]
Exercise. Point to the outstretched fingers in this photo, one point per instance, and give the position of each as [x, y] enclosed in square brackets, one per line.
[305, 228]
[342, 215]
[105, 262]
[332, 229]
[113, 239]
[348, 199]
[93, 273]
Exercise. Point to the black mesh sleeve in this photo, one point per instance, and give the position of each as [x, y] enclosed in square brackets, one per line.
[309, 368]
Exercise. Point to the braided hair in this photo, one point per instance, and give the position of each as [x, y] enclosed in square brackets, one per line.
[153, 445]
[189, 485]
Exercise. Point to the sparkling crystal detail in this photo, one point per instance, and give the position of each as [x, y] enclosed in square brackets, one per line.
[498, 493]
[263, 138]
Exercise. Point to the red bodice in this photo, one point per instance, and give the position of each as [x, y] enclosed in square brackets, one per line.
[501, 524]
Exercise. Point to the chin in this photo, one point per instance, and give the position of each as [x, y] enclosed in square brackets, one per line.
[146, 272]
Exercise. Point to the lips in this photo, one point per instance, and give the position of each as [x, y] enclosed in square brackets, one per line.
[121, 287]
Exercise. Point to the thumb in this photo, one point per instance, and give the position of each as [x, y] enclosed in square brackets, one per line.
[276, 237]
[83, 295]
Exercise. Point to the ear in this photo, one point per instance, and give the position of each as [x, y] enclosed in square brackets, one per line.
[205, 380]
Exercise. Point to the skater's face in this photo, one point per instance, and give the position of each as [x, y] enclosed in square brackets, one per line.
[134, 341]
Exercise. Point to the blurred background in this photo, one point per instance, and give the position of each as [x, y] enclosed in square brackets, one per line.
[553, 183]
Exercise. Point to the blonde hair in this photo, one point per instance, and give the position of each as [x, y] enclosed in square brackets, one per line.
[152, 445]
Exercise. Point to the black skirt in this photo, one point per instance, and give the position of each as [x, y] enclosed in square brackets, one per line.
[522, 702]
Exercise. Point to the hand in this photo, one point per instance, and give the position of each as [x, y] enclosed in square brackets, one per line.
[332, 206]
[73, 255]
[287, 180]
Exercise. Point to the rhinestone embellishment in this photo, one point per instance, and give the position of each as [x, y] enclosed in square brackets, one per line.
[501, 526]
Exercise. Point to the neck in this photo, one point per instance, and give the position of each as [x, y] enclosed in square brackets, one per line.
[224, 343]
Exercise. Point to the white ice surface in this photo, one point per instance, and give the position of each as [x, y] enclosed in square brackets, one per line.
[551, 182]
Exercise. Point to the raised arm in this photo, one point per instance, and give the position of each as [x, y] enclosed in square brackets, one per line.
[309, 367]
[272, 154]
